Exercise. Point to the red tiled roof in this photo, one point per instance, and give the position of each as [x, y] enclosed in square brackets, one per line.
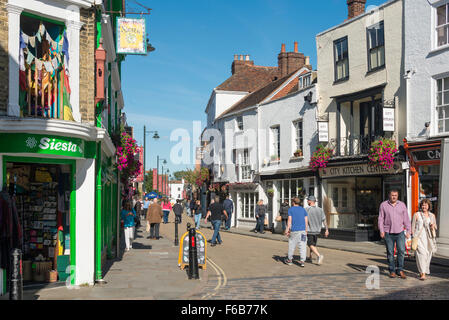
[250, 78]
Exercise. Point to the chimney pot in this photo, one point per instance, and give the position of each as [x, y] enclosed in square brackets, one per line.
[236, 57]
[296, 46]
[283, 47]
[241, 57]
[247, 57]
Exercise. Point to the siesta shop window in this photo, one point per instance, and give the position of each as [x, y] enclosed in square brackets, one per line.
[376, 46]
[341, 58]
[442, 27]
[442, 104]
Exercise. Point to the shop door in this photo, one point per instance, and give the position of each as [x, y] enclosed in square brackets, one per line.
[429, 183]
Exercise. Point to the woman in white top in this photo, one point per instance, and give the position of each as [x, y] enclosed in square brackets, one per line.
[424, 226]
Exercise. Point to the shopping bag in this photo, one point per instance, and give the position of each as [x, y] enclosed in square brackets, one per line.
[265, 221]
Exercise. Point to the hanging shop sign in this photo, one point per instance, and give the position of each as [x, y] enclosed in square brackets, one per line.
[131, 36]
[358, 170]
[46, 144]
[323, 131]
[388, 119]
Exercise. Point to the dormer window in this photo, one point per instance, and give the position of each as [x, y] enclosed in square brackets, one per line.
[305, 81]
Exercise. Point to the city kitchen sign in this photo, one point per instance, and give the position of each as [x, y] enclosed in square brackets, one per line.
[43, 144]
[358, 170]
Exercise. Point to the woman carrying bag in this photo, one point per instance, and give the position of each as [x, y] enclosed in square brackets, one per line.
[424, 237]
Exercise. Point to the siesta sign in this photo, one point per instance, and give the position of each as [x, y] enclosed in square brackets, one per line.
[45, 144]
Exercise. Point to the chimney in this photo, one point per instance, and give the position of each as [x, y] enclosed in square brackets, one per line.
[240, 61]
[355, 8]
[289, 62]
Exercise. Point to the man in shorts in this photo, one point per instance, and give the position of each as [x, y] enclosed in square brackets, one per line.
[316, 218]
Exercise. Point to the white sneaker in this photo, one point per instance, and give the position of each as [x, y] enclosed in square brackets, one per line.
[320, 259]
[126, 249]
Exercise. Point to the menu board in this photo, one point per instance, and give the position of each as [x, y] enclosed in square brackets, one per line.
[201, 245]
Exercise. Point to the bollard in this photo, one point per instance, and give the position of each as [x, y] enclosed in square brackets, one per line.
[176, 231]
[193, 254]
[16, 282]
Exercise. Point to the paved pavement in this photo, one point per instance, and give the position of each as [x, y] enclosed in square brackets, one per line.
[251, 266]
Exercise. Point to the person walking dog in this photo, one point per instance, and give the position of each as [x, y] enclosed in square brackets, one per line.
[393, 219]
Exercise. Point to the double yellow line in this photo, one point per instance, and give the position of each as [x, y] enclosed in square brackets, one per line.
[222, 279]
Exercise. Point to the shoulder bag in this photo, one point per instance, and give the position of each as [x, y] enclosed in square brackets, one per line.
[416, 239]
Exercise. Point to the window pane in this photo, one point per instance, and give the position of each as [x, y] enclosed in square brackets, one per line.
[440, 84]
[346, 68]
[382, 56]
[439, 99]
[441, 13]
[380, 35]
[372, 34]
[440, 113]
[446, 83]
[446, 112]
[344, 198]
[446, 128]
[446, 97]
[294, 191]
[335, 197]
[373, 58]
[442, 36]
[440, 126]
[345, 48]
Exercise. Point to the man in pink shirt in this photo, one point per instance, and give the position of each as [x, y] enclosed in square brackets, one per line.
[393, 219]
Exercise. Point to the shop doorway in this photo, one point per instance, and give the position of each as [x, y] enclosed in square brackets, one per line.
[429, 185]
[43, 194]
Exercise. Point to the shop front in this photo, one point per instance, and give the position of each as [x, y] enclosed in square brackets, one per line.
[48, 199]
[245, 197]
[424, 159]
[283, 187]
[352, 194]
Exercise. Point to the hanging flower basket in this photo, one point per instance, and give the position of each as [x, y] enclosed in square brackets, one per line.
[128, 166]
[381, 153]
[320, 157]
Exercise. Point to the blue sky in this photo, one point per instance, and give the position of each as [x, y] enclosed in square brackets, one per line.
[195, 44]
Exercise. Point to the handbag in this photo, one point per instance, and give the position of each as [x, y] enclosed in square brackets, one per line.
[416, 239]
[266, 221]
[278, 218]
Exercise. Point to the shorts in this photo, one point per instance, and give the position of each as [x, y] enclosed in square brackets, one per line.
[312, 239]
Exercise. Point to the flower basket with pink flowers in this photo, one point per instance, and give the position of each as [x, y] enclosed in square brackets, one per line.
[320, 157]
[381, 153]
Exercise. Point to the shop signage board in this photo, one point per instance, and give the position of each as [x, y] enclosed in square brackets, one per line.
[201, 245]
[427, 155]
[46, 144]
[388, 119]
[131, 36]
[323, 132]
[358, 170]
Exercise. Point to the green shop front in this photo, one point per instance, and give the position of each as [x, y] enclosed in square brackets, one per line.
[62, 194]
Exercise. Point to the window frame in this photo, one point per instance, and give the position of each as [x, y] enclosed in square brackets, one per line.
[445, 25]
[239, 124]
[340, 40]
[442, 105]
[275, 146]
[295, 135]
[369, 49]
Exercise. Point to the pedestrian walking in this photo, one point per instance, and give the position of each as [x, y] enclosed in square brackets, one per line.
[154, 218]
[127, 218]
[297, 232]
[198, 212]
[138, 207]
[228, 205]
[192, 205]
[393, 219]
[283, 212]
[424, 228]
[146, 204]
[178, 210]
[215, 212]
[188, 210]
[166, 208]
[316, 218]
[260, 216]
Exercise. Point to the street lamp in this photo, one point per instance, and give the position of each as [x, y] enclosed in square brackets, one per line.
[157, 178]
[155, 136]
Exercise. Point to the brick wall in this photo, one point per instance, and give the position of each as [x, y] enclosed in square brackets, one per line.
[87, 66]
[355, 8]
[4, 58]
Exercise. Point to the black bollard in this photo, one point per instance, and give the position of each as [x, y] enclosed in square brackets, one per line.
[16, 281]
[176, 231]
[193, 254]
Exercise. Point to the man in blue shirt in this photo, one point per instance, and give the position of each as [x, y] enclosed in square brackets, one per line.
[228, 205]
[297, 232]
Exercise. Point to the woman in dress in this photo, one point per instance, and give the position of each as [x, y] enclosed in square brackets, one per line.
[424, 227]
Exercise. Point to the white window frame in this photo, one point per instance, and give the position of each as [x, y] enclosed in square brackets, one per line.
[275, 141]
[339, 208]
[245, 166]
[305, 81]
[253, 197]
[379, 49]
[435, 26]
[295, 137]
[445, 104]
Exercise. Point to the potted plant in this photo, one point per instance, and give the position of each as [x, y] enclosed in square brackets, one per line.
[274, 157]
[298, 153]
[320, 157]
[270, 192]
[381, 153]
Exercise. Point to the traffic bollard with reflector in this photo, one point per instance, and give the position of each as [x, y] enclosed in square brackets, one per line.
[193, 254]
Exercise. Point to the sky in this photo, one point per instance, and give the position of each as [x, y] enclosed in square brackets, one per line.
[168, 90]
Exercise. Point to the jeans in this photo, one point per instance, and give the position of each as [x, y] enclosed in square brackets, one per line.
[390, 240]
[297, 238]
[260, 223]
[154, 230]
[228, 221]
[166, 213]
[216, 237]
[197, 220]
[284, 225]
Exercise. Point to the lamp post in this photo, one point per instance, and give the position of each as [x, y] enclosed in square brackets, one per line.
[157, 177]
[155, 136]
